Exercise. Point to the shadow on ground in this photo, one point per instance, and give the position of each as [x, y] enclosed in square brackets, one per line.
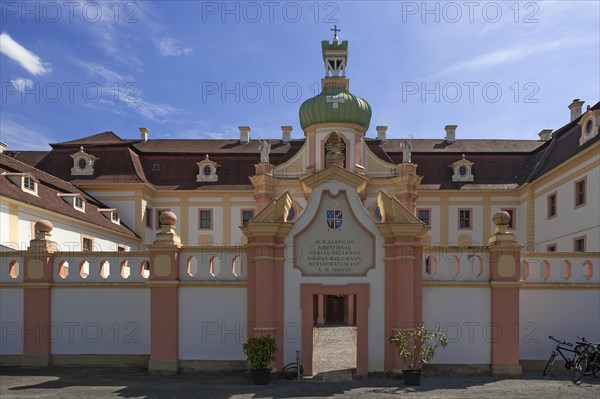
[131, 383]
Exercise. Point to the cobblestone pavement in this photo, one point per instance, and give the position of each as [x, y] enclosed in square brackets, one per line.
[334, 348]
[21, 383]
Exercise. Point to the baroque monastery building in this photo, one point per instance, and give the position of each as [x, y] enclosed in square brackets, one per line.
[170, 253]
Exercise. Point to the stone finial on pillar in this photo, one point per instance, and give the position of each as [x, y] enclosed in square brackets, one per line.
[501, 234]
[167, 235]
[42, 242]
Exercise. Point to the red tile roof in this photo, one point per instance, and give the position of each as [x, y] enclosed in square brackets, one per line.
[48, 189]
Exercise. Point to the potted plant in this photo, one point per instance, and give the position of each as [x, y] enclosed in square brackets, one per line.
[260, 351]
[417, 347]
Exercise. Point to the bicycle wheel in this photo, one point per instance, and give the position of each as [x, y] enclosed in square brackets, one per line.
[579, 367]
[549, 363]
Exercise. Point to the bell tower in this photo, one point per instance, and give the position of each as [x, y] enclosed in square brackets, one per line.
[335, 57]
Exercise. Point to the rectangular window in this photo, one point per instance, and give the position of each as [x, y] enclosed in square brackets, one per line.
[512, 212]
[205, 219]
[78, 203]
[87, 244]
[464, 218]
[115, 216]
[551, 248]
[423, 215]
[247, 215]
[28, 183]
[580, 193]
[148, 217]
[121, 248]
[552, 205]
[579, 244]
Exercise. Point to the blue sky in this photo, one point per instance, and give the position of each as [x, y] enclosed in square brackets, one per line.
[191, 69]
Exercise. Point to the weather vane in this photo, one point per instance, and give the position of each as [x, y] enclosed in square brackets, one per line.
[335, 30]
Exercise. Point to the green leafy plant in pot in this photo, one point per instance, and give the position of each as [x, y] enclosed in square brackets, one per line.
[260, 351]
[417, 347]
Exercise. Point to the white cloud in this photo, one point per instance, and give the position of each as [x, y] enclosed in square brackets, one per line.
[101, 71]
[170, 48]
[27, 59]
[505, 55]
[20, 137]
[22, 83]
[154, 111]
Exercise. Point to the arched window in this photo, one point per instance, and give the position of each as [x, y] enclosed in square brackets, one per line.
[125, 270]
[63, 269]
[145, 269]
[13, 270]
[192, 266]
[215, 266]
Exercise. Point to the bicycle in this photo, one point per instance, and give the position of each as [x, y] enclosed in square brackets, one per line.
[558, 349]
[586, 361]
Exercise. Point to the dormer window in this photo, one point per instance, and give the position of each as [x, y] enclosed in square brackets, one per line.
[463, 171]
[78, 203]
[207, 171]
[589, 125]
[83, 163]
[29, 184]
[25, 181]
[75, 200]
[112, 214]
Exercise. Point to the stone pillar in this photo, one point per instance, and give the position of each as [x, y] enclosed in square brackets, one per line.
[264, 185]
[37, 305]
[504, 255]
[403, 288]
[265, 284]
[164, 306]
[320, 310]
[407, 183]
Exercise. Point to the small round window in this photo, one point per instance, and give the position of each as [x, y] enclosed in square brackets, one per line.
[82, 163]
[462, 170]
[291, 214]
[588, 127]
[207, 170]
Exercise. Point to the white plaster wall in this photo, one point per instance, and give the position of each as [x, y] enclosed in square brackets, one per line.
[464, 315]
[66, 233]
[435, 222]
[100, 321]
[476, 230]
[126, 210]
[236, 222]
[11, 321]
[569, 222]
[212, 323]
[564, 314]
[193, 223]
[4, 226]
[522, 226]
[375, 277]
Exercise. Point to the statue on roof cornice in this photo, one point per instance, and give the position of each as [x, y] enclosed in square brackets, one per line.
[406, 150]
[265, 149]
